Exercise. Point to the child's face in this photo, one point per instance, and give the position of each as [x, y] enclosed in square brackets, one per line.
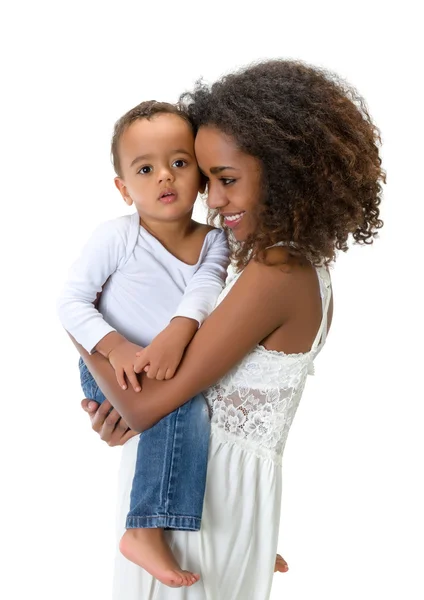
[159, 169]
[234, 180]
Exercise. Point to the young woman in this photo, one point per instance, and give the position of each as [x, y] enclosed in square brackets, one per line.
[293, 168]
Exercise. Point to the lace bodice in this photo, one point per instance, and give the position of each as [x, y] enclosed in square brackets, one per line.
[255, 403]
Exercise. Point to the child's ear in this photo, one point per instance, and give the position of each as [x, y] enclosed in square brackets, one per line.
[123, 190]
[203, 183]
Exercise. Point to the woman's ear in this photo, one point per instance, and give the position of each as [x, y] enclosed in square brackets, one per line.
[123, 190]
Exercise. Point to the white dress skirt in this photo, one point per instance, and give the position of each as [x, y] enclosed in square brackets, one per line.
[252, 409]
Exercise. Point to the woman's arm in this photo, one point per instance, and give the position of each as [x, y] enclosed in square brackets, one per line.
[255, 307]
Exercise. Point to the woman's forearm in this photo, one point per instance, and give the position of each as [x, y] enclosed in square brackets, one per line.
[142, 410]
[240, 322]
[125, 401]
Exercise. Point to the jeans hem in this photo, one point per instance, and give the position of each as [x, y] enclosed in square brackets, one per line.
[163, 522]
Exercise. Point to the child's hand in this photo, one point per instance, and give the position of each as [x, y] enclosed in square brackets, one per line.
[161, 358]
[122, 358]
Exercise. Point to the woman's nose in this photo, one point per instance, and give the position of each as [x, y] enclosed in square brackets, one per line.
[216, 197]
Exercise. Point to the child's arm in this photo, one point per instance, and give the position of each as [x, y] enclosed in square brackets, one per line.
[101, 256]
[202, 292]
[161, 358]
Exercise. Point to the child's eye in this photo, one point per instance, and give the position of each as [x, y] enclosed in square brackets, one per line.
[179, 163]
[227, 180]
[145, 170]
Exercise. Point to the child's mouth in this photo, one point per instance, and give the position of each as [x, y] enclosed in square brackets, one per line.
[168, 196]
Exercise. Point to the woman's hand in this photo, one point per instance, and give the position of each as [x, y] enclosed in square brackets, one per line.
[107, 422]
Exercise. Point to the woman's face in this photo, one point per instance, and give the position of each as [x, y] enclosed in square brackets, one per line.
[234, 179]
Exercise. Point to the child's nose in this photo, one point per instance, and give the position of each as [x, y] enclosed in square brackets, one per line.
[165, 174]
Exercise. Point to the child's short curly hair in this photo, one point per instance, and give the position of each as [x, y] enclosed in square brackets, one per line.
[145, 110]
[318, 149]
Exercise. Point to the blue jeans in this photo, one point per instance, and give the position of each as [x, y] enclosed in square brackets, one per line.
[170, 474]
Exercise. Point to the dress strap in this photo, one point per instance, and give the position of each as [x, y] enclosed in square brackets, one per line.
[278, 244]
[325, 288]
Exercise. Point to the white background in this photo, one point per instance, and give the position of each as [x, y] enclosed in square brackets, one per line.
[352, 523]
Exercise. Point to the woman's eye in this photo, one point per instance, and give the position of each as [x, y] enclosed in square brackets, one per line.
[145, 170]
[179, 163]
[227, 181]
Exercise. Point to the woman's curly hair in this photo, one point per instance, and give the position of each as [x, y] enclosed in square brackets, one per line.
[319, 151]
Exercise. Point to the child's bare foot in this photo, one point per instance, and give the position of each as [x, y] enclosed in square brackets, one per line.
[148, 549]
[280, 565]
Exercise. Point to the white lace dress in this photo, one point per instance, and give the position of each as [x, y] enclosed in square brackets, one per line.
[252, 409]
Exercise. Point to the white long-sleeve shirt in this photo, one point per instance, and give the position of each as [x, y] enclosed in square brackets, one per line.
[144, 286]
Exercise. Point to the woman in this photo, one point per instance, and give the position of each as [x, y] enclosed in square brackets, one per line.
[291, 158]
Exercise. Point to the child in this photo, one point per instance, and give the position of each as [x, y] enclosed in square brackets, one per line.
[159, 274]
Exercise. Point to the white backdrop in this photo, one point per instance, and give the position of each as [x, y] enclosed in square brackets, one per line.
[352, 524]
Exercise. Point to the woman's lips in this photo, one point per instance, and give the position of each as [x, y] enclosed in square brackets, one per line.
[233, 220]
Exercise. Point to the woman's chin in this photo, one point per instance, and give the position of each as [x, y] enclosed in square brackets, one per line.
[240, 236]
